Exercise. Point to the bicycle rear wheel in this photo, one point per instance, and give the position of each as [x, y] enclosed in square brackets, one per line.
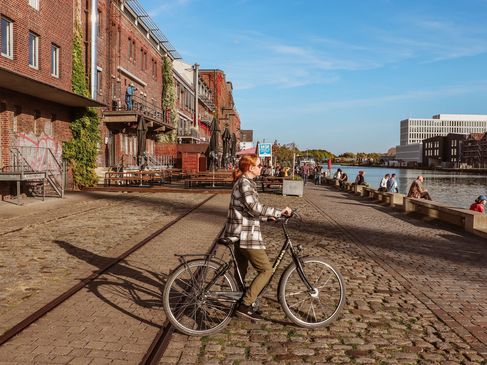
[319, 307]
[192, 309]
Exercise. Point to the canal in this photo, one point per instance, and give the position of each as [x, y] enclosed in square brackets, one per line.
[453, 188]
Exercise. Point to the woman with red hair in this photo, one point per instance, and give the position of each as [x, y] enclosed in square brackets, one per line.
[243, 223]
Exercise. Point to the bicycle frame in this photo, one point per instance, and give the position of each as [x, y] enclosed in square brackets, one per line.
[287, 246]
[225, 266]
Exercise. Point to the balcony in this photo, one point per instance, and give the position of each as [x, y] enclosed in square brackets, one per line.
[188, 135]
[119, 112]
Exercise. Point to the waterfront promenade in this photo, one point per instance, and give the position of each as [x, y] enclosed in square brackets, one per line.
[416, 291]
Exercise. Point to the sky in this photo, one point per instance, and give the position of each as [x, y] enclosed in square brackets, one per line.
[338, 75]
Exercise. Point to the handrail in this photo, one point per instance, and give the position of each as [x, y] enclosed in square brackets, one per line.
[39, 159]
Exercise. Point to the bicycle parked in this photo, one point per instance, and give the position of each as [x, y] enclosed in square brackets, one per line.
[201, 294]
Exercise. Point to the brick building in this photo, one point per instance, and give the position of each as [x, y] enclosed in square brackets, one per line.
[122, 48]
[225, 109]
[129, 52]
[444, 151]
[188, 131]
[475, 150]
[36, 98]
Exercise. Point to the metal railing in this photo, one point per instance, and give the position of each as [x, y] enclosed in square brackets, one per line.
[139, 105]
[160, 161]
[25, 159]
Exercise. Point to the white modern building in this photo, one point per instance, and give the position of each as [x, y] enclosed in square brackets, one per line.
[415, 130]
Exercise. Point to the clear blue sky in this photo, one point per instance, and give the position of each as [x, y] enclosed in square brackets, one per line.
[336, 74]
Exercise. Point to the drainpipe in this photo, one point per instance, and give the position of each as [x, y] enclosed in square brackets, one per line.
[94, 39]
[196, 94]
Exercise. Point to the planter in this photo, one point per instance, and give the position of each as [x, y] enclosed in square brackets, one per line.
[292, 187]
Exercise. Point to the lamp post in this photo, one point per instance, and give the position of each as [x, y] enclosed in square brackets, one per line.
[196, 94]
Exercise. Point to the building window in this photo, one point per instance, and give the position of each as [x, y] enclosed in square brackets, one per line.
[33, 50]
[54, 60]
[154, 69]
[34, 4]
[98, 24]
[99, 80]
[7, 33]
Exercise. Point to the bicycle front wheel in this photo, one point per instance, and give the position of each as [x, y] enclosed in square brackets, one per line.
[318, 307]
[194, 308]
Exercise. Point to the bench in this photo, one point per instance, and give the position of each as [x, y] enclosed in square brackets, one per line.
[467, 219]
[135, 177]
[188, 183]
[391, 199]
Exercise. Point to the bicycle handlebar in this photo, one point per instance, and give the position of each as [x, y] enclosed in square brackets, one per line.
[286, 218]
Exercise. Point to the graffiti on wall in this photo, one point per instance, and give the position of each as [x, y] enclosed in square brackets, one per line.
[35, 150]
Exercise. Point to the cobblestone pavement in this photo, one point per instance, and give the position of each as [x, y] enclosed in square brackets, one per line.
[416, 293]
[36, 248]
[115, 318]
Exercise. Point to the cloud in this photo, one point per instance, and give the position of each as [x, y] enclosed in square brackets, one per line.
[444, 91]
[167, 7]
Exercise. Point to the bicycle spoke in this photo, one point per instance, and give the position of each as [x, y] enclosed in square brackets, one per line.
[312, 309]
[186, 297]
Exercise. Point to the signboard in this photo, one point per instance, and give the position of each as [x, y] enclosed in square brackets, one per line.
[246, 135]
[265, 150]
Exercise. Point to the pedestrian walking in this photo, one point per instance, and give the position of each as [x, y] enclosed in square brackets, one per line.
[305, 173]
[243, 223]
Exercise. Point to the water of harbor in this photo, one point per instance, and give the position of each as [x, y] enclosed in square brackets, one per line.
[453, 188]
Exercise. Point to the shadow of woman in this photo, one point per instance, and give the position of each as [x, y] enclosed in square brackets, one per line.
[120, 284]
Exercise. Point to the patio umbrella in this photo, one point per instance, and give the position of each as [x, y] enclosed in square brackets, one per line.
[233, 150]
[329, 164]
[141, 136]
[212, 148]
[227, 144]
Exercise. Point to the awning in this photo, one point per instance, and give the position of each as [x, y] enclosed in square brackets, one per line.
[247, 151]
[25, 85]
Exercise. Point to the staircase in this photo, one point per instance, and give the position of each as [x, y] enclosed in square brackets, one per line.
[40, 169]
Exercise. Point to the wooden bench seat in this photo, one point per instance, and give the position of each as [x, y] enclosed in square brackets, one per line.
[207, 180]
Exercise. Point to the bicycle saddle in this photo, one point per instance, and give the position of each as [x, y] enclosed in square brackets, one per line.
[226, 240]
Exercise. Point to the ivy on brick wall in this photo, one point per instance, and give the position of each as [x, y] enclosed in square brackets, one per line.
[78, 77]
[81, 151]
[168, 100]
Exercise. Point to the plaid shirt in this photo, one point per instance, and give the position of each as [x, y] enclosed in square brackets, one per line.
[245, 212]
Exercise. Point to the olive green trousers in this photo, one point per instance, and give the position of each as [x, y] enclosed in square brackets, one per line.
[260, 261]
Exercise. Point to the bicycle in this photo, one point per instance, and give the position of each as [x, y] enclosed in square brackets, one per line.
[201, 294]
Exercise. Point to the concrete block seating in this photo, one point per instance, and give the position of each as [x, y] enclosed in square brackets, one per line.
[391, 199]
[469, 220]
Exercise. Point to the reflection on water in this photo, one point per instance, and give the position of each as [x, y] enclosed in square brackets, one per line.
[453, 188]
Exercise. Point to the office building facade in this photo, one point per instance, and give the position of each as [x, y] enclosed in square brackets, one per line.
[415, 130]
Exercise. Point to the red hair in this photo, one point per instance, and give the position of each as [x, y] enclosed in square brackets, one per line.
[244, 165]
